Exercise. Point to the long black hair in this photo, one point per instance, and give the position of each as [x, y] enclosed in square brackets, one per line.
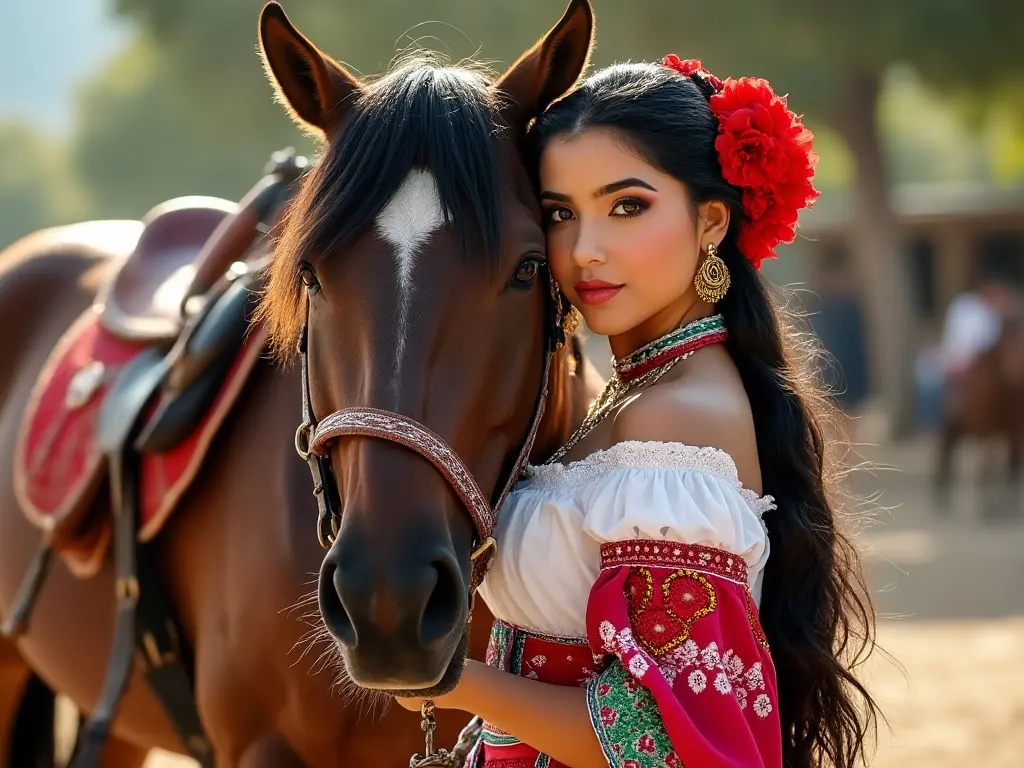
[815, 607]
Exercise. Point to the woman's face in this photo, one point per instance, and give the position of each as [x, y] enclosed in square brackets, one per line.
[622, 239]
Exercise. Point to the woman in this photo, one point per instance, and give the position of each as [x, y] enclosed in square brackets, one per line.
[678, 593]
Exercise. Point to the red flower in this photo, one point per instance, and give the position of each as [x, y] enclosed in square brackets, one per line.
[604, 689]
[690, 67]
[672, 760]
[764, 149]
[608, 717]
[757, 201]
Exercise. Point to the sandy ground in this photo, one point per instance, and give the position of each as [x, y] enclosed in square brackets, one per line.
[950, 591]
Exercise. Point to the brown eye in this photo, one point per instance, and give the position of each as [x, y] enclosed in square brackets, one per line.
[527, 271]
[308, 278]
[557, 215]
[628, 208]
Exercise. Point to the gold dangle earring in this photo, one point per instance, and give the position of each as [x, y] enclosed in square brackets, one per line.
[712, 279]
[571, 322]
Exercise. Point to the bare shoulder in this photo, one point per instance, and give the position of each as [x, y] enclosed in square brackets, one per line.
[706, 406]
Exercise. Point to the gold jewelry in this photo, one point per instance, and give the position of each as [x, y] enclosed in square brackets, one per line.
[571, 321]
[712, 279]
[613, 395]
[633, 373]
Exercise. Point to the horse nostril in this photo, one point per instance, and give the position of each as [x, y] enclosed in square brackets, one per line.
[442, 608]
[332, 607]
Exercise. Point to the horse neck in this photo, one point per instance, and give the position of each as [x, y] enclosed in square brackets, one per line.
[569, 394]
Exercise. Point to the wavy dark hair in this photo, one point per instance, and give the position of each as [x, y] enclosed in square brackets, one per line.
[815, 608]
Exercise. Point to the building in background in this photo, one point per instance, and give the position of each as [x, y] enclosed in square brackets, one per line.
[953, 233]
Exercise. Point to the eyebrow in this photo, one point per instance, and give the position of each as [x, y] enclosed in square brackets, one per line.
[607, 189]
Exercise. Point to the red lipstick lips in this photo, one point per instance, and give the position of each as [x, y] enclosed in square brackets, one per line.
[596, 291]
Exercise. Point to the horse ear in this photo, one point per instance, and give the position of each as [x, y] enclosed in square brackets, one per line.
[313, 87]
[551, 67]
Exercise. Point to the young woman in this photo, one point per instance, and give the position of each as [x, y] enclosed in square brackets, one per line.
[673, 588]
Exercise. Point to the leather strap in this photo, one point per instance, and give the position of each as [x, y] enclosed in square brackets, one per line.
[142, 621]
[93, 736]
[313, 442]
[16, 623]
[372, 422]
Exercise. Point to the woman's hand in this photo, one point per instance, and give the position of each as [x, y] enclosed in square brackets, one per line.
[450, 700]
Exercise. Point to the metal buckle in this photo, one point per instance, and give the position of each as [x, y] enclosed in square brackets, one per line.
[302, 440]
[488, 543]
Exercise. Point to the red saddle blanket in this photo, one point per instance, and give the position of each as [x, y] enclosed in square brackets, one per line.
[59, 468]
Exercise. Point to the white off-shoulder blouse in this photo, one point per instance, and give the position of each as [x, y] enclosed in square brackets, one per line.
[553, 524]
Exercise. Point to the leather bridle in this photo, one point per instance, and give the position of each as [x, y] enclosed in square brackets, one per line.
[313, 442]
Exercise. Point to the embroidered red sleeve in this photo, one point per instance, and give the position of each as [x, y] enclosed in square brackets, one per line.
[692, 682]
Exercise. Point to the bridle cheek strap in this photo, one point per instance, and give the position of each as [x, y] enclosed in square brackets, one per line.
[313, 443]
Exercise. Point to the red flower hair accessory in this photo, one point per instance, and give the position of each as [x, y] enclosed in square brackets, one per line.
[765, 150]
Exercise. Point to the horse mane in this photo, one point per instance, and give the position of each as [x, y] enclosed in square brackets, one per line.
[419, 116]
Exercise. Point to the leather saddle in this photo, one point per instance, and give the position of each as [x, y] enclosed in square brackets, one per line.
[142, 302]
[186, 292]
[183, 294]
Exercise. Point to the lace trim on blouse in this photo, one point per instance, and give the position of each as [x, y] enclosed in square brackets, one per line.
[646, 454]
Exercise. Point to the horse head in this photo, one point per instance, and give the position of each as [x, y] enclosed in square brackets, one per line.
[411, 270]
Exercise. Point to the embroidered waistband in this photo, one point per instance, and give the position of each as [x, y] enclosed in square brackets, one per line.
[669, 554]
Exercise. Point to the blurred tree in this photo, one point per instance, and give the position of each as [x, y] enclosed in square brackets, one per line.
[36, 188]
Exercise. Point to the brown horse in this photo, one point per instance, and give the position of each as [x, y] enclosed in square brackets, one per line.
[987, 403]
[442, 318]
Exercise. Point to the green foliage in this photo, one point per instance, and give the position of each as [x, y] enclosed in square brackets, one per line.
[187, 108]
[36, 189]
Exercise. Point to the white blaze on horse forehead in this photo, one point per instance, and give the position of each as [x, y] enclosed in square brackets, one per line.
[412, 215]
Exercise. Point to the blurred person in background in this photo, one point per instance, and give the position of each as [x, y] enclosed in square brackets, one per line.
[973, 324]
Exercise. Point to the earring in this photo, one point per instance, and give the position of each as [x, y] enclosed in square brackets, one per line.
[712, 279]
[571, 321]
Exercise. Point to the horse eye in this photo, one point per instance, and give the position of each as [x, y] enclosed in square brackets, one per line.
[528, 271]
[308, 278]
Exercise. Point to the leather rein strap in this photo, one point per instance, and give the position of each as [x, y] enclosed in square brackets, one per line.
[313, 443]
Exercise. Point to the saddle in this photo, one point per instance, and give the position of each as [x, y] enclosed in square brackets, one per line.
[133, 395]
[142, 300]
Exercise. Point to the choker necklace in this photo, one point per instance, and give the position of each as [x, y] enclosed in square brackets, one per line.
[643, 368]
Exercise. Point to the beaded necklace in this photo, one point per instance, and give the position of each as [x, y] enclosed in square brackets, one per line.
[643, 368]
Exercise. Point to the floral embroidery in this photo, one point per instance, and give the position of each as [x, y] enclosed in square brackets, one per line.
[638, 666]
[637, 737]
[622, 644]
[660, 625]
[762, 706]
[727, 671]
[722, 684]
[698, 681]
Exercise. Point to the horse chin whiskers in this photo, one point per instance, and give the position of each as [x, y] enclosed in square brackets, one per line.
[368, 703]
